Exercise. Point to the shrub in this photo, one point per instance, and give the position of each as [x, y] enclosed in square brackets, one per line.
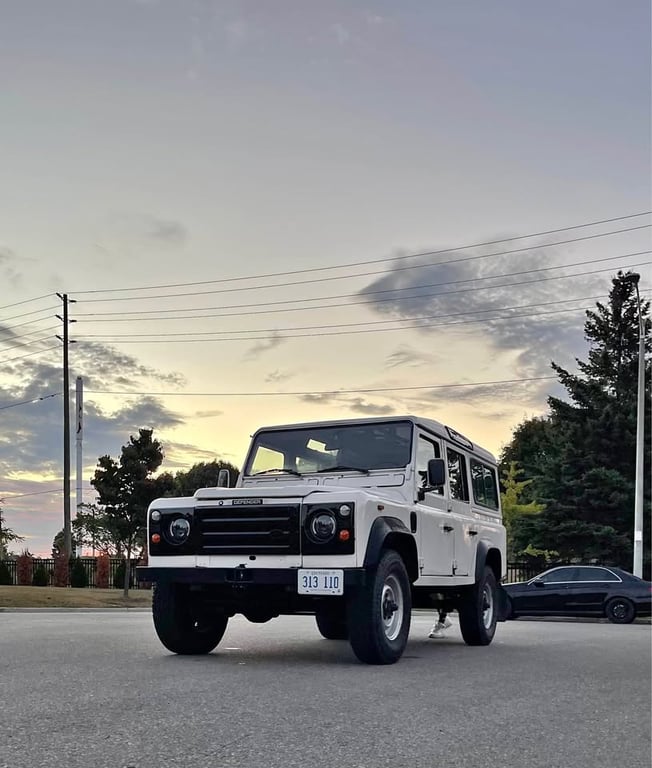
[61, 570]
[78, 575]
[119, 577]
[102, 572]
[41, 577]
[5, 574]
[24, 566]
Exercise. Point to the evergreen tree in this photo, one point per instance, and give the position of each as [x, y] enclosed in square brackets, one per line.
[202, 475]
[512, 503]
[583, 461]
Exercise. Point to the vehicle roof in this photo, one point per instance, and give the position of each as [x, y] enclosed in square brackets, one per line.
[430, 425]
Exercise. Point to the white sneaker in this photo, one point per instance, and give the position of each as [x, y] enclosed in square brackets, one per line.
[438, 628]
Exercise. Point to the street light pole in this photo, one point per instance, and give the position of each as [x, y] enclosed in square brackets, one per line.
[640, 446]
[633, 278]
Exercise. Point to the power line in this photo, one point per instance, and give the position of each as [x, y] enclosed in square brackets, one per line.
[368, 390]
[110, 316]
[26, 301]
[349, 325]
[27, 334]
[366, 274]
[372, 261]
[161, 340]
[26, 314]
[48, 316]
[35, 493]
[29, 402]
[29, 354]
[27, 343]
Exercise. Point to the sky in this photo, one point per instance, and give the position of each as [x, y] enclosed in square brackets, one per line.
[278, 212]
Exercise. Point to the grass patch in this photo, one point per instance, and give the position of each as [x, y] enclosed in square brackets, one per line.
[61, 597]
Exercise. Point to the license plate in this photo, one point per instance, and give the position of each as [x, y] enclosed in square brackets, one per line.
[320, 581]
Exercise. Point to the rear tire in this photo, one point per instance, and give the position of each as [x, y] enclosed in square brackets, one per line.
[331, 625]
[620, 610]
[478, 611]
[379, 613]
[180, 627]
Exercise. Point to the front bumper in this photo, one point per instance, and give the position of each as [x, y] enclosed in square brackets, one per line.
[281, 577]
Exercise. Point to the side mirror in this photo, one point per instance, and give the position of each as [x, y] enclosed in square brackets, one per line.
[223, 478]
[538, 583]
[436, 473]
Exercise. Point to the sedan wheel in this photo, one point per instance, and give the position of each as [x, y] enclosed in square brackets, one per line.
[620, 610]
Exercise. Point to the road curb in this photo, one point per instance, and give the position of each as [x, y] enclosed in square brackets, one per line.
[76, 610]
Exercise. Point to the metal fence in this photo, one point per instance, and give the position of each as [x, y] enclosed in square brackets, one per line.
[516, 571]
[90, 566]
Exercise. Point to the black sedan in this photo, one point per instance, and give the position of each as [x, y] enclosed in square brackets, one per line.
[582, 590]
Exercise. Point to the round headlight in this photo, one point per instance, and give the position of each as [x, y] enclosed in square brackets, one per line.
[156, 515]
[322, 527]
[179, 530]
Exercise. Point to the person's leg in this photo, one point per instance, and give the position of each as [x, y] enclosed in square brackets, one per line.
[442, 623]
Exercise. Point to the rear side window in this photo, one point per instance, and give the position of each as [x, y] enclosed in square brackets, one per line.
[485, 489]
[597, 574]
[457, 482]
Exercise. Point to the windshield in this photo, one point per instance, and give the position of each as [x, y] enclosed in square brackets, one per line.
[354, 447]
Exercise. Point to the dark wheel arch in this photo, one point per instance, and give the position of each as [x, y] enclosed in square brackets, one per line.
[392, 533]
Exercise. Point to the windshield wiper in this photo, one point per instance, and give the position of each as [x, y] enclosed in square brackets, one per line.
[344, 468]
[278, 469]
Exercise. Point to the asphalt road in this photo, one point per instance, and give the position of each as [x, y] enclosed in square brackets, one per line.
[96, 690]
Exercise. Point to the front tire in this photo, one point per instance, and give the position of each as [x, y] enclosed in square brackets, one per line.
[478, 611]
[180, 627]
[379, 613]
[619, 610]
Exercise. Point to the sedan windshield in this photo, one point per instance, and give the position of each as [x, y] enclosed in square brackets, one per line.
[339, 448]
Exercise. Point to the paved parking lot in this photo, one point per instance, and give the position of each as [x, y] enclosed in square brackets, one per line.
[97, 690]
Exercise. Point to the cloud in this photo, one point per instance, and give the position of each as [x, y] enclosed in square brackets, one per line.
[184, 455]
[264, 345]
[356, 404]
[275, 377]
[31, 440]
[147, 228]
[341, 33]
[407, 357]
[472, 295]
[237, 32]
[167, 231]
[207, 414]
[8, 271]
[375, 19]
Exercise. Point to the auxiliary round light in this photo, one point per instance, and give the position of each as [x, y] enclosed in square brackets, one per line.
[156, 515]
[345, 510]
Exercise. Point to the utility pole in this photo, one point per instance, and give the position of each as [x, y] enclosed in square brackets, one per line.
[67, 529]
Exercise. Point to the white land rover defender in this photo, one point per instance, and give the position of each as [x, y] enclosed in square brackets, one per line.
[354, 521]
